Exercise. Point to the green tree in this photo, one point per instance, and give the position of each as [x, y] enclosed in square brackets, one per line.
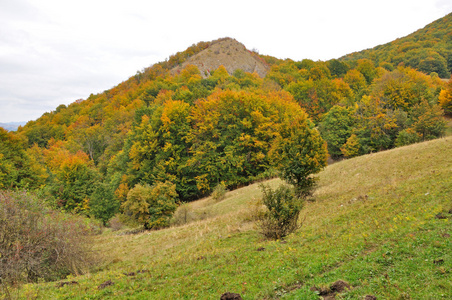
[367, 68]
[151, 206]
[103, 205]
[336, 127]
[299, 152]
[17, 168]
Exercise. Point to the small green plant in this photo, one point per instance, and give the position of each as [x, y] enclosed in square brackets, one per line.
[219, 193]
[283, 209]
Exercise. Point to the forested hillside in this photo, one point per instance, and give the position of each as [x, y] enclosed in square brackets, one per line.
[185, 131]
[429, 50]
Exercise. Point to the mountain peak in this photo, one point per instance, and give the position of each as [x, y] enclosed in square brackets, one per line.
[229, 53]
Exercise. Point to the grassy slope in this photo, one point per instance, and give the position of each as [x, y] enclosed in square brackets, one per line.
[373, 225]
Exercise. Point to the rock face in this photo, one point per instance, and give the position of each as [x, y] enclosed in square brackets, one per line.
[229, 53]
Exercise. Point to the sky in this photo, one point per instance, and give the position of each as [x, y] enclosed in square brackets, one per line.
[54, 52]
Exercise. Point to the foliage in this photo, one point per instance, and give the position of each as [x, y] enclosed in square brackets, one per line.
[219, 192]
[196, 130]
[445, 98]
[336, 127]
[17, 168]
[39, 243]
[74, 178]
[427, 49]
[427, 120]
[232, 135]
[151, 206]
[299, 152]
[283, 209]
[182, 215]
[351, 148]
[406, 137]
[103, 205]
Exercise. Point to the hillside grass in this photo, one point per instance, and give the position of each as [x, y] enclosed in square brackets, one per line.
[381, 222]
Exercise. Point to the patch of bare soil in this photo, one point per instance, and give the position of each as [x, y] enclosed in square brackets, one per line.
[229, 53]
[329, 293]
[230, 296]
[105, 284]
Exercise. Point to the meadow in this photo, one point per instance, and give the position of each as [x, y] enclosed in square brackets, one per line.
[380, 222]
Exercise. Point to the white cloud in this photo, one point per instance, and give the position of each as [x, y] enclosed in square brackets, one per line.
[54, 52]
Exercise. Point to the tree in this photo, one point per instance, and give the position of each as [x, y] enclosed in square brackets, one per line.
[428, 120]
[336, 128]
[367, 68]
[103, 205]
[356, 81]
[299, 152]
[17, 168]
[351, 148]
[445, 98]
[73, 177]
[232, 133]
[151, 206]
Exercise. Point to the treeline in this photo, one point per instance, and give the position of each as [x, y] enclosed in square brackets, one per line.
[428, 50]
[183, 134]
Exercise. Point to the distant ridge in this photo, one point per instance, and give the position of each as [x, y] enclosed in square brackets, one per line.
[229, 53]
[12, 126]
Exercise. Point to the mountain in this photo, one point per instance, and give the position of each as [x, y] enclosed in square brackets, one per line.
[207, 115]
[12, 126]
[229, 53]
[428, 49]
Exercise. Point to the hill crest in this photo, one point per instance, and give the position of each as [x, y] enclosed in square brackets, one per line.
[229, 53]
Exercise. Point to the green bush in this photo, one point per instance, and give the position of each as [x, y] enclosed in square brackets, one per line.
[151, 206]
[407, 137]
[283, 209]
[38, 243]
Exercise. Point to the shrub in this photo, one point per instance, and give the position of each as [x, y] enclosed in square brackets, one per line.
[183, 215]
[219, 193]
[151, 206]
[283, 209]
[406, 137]
[115, 223]
[37, 242]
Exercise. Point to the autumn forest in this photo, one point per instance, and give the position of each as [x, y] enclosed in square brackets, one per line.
[182, 127]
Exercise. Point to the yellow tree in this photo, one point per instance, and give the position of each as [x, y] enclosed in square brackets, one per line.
[445, 98]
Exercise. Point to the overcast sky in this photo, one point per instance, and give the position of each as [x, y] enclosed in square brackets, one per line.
[54, 52]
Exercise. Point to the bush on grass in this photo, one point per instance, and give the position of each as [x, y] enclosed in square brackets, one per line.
[38, 243]
[283, 209]
[219, 193]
